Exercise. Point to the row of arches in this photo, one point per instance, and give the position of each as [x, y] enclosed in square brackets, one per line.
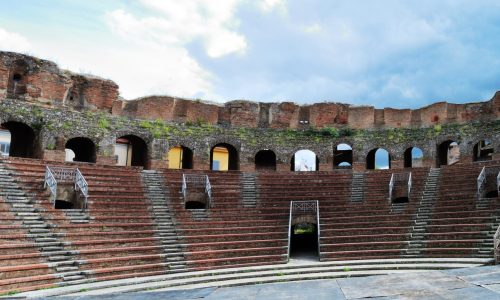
[18, 139]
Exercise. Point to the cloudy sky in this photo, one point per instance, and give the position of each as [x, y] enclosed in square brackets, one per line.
[382, 53]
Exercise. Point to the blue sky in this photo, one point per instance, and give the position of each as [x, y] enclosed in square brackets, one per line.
[382, 53]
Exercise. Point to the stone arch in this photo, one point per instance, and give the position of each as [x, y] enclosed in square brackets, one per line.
[483, 150]
[223, 157]
[304, 160]
[343, 156]
[23, 141]
[132, 150]
[18, 79]
[83, 148]
[180, 157]
[378, 159]
[265, 160]
[448, 153]
[413, 157]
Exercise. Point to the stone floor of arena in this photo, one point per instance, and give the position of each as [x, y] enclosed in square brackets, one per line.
[466, 283]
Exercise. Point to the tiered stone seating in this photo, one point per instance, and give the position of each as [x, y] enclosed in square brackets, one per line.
[226, 235]
[459, 227]
[21, 264]
[118, 241]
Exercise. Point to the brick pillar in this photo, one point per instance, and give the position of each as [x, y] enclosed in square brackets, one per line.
[281, 167]
[247, 167]
[158, 164]
[358, 166]
[106, 160]
[54, 155]
[397, 164]
[200, 164]
[326, 167]
[495, 156]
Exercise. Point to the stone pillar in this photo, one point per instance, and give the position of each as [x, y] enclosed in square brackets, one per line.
[358, 166]
[282, 167]
[325, 167]
[397, 164]
[495, 156]
[54, 155]
[200, 164]
[157, 164]
[106, 160]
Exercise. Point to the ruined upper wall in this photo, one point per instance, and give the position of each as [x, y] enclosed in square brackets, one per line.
[34, 80]
[31, 79]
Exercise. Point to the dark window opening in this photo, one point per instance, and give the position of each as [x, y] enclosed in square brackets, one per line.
[195, 205]
[265, 160]
[342, 156]
[17, 77]
[304, 241]
[83, 148]
[448, 153]
[483, 151]
[137, 151]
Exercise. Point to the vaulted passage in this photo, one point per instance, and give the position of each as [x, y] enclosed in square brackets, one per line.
[483, 150]
[414, 157]
[195, 205]
[83, 149]
[180, 157]
[131, 151]
[342, 157]
[22, 141]
[17, 85]
[224, 157]
[304, 241]
[265, 160]
[304, 160]
[378, 159]
[448, 153]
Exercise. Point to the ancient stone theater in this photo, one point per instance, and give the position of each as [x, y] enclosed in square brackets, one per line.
[95, 188]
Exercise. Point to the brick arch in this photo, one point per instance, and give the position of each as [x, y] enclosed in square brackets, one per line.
[371, 157]
[233, 155]
[25, 139]
[292, 158]
[83, 147]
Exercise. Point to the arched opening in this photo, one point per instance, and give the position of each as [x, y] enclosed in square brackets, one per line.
[342, 157]
[265, 160]
[180, 157]
[400, 200]
[414, 157]
[83, 150]
[378, 159]
[304, 241]
[132, 151]
[448, 153]
[17, 79]
[195, 205]
[224, 157]
[491, 194]
[304, 160]
[483, 150]
[18, 140]
[61, 204]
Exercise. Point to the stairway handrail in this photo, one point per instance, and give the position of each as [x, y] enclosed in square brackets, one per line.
[318, 228]
[289, 231]
[496, 245]
[391, 186]
[498, 182]
[50, 182]
[410, 184]
[82, 186]
[208, 191]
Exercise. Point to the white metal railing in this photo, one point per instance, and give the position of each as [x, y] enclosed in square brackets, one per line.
[496, 245]
[55, 175]
[481, 180]
[51, 183]
[303, 207]
[498, 182]
[396, 178]
[82, 186]
[197, 182]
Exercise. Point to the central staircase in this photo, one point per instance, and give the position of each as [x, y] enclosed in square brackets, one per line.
[357, 187]
[249, 189]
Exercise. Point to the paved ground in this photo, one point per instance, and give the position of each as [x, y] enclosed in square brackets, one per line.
[472, 283]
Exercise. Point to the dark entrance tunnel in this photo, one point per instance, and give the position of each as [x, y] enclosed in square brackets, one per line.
[304, 241]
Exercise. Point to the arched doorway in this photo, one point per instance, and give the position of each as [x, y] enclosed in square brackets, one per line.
[180, 157]
[304, 240]
[19, 140]
[224, 157]
[265, 160]
[83, 150]
[448, 153]
[414, 157]
[304, 160]
[342, 157]
[483, 150]
[132, 151]
[378, 159]
[18, 79]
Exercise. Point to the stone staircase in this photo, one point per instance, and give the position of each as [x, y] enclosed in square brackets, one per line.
[483, 203]
[200, 214]
[77, 216]
[486, 248]
[156, 192]
[55, 251]
[417, 236]
[249, 189]
[357, 187]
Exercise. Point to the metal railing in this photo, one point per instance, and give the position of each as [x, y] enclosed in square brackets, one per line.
[396, 178]
[498, 182]
[55, 175]
[481, 181]
[82, 186]
[197, 182]
[496, 245]
[303, 207]
[51, 183]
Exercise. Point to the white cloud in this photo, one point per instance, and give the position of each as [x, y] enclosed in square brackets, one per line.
[312, 28]
[11, 41]
[271, 5]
